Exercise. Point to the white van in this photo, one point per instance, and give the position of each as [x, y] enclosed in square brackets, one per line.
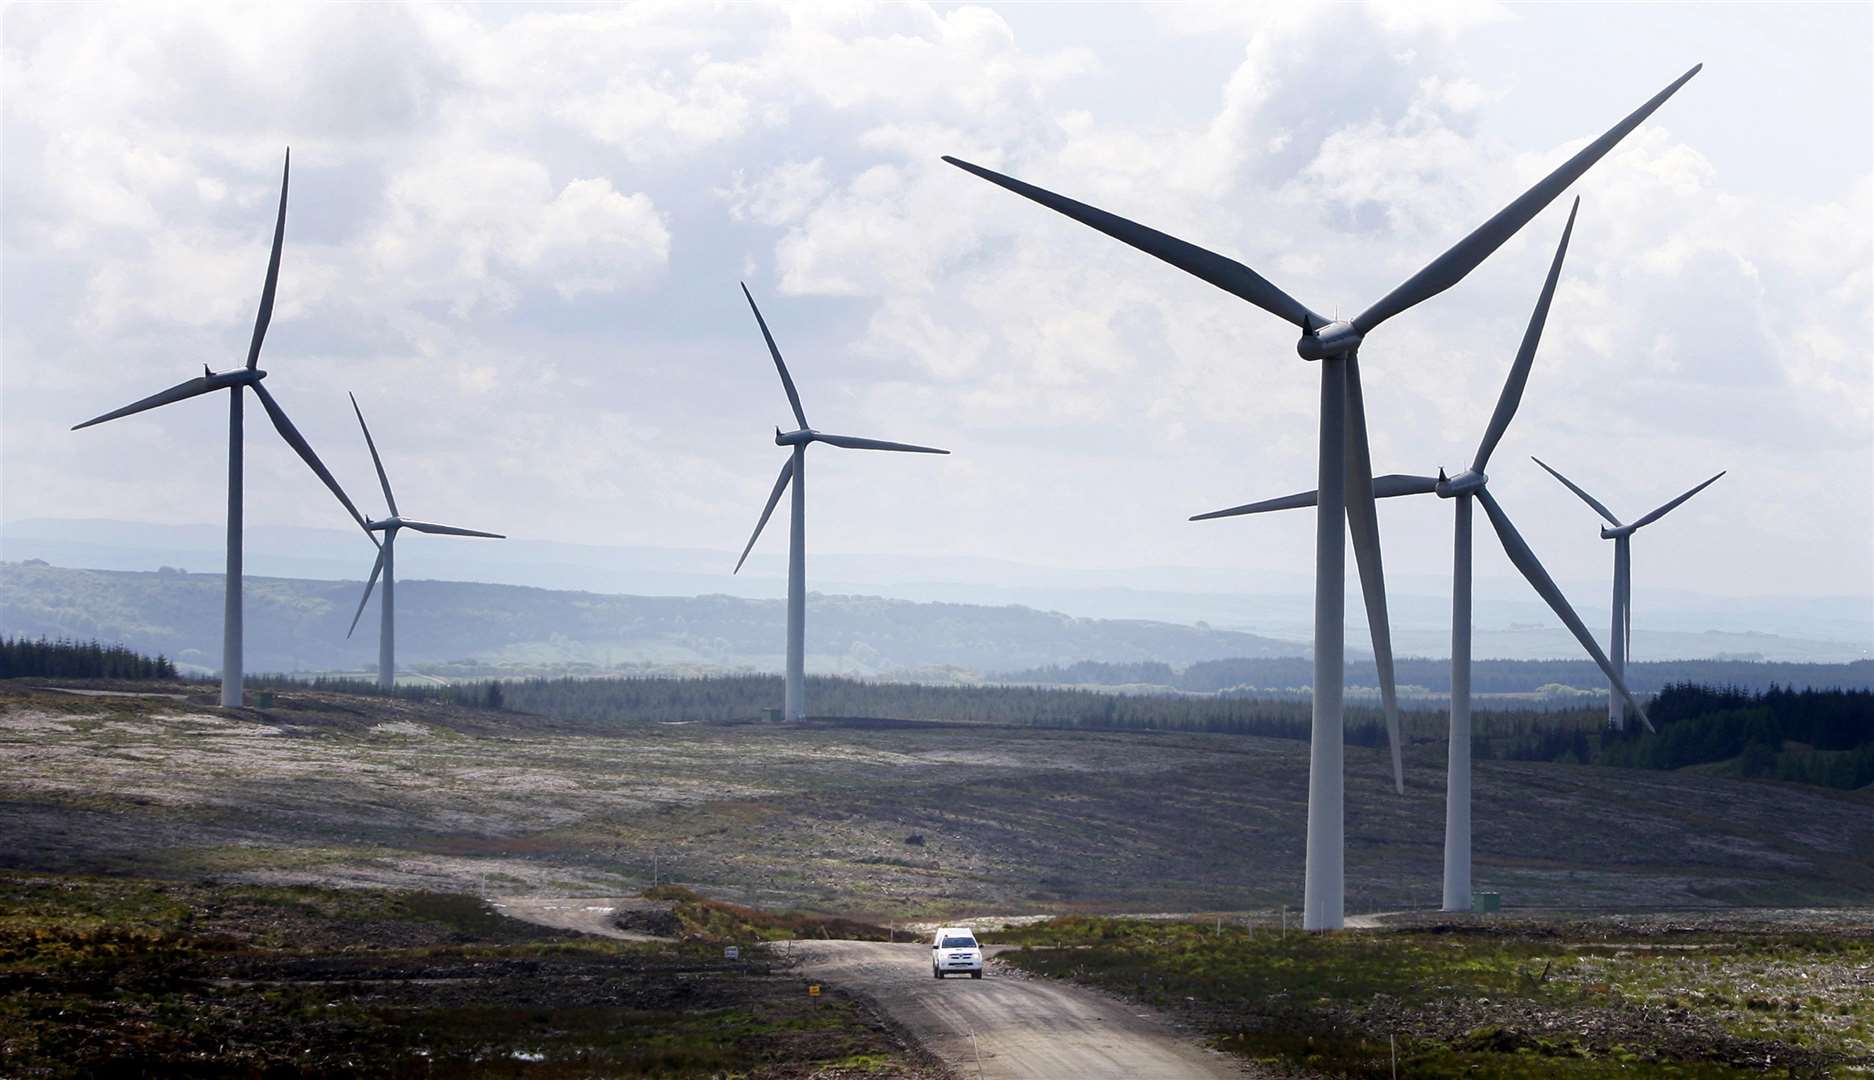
[954, 948]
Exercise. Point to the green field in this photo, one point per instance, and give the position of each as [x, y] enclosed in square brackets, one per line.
[1692, 996]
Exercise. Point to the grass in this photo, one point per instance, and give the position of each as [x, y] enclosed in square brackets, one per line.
[1461, 1000]
[138, 977]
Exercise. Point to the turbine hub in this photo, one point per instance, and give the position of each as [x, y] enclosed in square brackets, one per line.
[1334, 339]
[389, 524]
[794, 438]
[1468, 482]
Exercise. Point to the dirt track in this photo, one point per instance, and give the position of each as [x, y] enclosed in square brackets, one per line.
[1002, 1026]
[587, 914]
[1006, 1026]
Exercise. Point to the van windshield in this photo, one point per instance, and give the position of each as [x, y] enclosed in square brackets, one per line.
[959, 943]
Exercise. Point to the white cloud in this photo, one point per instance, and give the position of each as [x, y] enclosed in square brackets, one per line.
[781, 197]
[522, 226]
[481, 226]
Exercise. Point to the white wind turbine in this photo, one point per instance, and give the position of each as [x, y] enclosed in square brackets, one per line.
[386, 565]
[1620, 640]
[795, 470]
[234, 382]
[1345, 478]
[1461, 489]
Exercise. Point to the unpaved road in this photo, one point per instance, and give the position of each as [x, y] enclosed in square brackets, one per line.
[586, 914]
[1022, 1027]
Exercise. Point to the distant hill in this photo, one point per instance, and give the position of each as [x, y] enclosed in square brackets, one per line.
[299, 625]
[1510, 621]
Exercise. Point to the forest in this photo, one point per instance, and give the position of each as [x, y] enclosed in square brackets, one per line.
[1487, 676]
[63, 658]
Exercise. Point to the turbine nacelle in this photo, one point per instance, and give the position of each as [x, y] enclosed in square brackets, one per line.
[1468, 482]
[795, 438]
[237, 377]
[1334, 339]
[389, 524]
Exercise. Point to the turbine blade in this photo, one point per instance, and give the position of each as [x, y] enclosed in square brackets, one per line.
[1284, 502]
[1518, 550]
[1226, 274]
[1512, 394]
[1626, 610]
[382, 480]
[1363, 528]
[273, 270]
[780, 485]
[304, 449]
[201, 384]
[376, 569]
[447, 530]
[787, 381]
[853, 442]
[1393, 485]
[1451, 267]
[1585, 497]
[1384, 487]
[1669, 507]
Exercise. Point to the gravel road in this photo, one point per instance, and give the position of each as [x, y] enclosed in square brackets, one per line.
[1001, 1027]
[1021, 1027]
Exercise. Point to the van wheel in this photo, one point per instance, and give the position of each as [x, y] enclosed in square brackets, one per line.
[977, 974]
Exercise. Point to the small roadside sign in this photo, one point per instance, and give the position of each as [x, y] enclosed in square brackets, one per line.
[731, 952]
[813, 990]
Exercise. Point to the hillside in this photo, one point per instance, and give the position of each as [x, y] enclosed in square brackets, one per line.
[299, 625]
[883, 819]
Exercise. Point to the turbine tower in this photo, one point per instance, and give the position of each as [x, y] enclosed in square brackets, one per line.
[1462, 489]
[1620, 639]
[795, 470]
[234, 382]
[1345, 478]
[386, 564]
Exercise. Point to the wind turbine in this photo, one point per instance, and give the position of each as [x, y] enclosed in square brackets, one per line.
[1345, 476]
[386, 565]
[795, 470]
[1620, 640]
[234, 382]
[1461, 489]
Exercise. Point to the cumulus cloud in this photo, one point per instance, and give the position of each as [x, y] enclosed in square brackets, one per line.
[523, 226]
[481, 226]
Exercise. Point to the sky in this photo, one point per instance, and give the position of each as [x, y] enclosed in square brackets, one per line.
[516, 234]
